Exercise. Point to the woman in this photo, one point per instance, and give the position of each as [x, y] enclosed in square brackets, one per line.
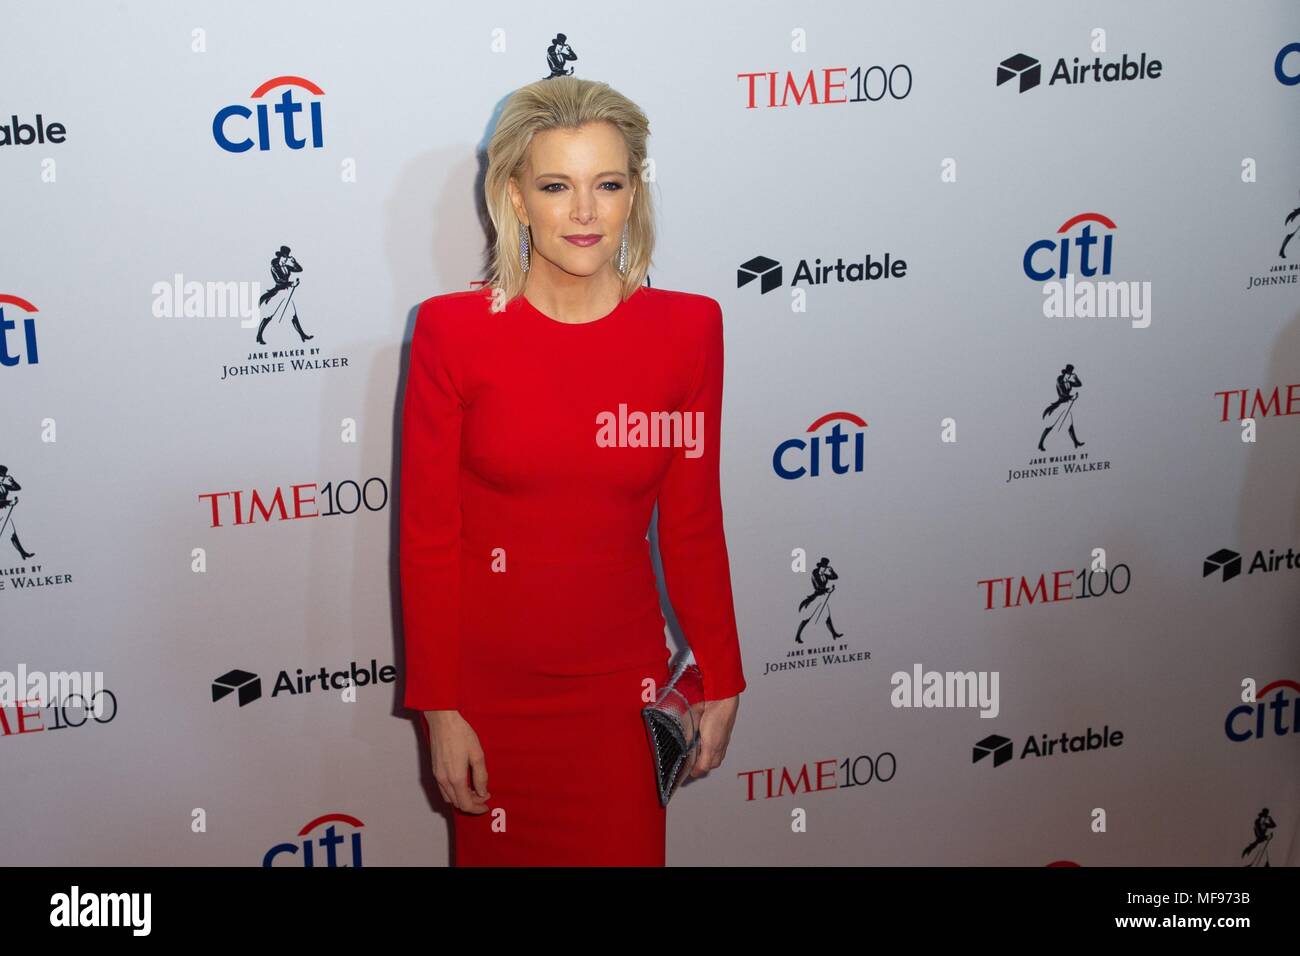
[533, 630]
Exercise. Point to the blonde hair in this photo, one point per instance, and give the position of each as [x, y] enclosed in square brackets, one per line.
[564, 102]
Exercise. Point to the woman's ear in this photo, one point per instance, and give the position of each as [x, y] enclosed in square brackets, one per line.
[517, 200]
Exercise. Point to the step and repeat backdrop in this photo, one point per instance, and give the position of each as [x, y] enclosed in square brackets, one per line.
[1011, 429]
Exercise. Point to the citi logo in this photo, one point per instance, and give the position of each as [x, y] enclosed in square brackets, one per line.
[1287, 76]
[14, 349]
[1070, 253]
[867, 269]
[229, 125]
[1249, 720]
[319, 844]
[1028, 72]
[1228, 563]
[800, 457]
[1001, 748]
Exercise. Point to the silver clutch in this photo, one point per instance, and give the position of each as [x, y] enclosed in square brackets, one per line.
[672, 729]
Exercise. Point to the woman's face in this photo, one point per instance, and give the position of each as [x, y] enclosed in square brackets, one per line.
[575, 186]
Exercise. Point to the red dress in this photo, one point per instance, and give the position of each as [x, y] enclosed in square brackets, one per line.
[528, 594]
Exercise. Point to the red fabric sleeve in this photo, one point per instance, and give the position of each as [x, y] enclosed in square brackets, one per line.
[692, 543]
[430, 517]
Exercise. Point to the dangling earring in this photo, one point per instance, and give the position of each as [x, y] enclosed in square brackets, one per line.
[622, 252]
[523, 246]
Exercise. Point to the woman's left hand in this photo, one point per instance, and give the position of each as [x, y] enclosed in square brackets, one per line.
[716, 721]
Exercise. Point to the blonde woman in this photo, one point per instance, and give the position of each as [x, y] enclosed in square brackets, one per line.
[533, 630]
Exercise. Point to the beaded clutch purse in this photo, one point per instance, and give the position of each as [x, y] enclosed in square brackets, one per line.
[672, 728]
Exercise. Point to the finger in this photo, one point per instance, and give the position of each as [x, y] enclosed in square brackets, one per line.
[433, 758]
[702, 764]
[479, 774]
[465, 799]
[456, 796]
[476, 792]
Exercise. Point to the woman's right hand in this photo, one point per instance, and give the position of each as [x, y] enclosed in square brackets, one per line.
[456, 753]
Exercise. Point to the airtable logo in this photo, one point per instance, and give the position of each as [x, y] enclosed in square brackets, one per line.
[768, 272]
[1228, 563]
[787, 464]
[1029, 71]
[1002, 749]
[247, 686]
[1022, 66]
[18, 133]
[286, 107]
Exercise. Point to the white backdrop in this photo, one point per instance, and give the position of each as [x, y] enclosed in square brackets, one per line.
[137, 245]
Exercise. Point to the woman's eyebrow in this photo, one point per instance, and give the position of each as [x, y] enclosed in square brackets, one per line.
[608, 172]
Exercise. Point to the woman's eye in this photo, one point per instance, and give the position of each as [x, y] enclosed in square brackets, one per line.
[558, 186]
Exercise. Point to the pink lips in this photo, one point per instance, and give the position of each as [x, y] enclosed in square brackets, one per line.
[588, 240]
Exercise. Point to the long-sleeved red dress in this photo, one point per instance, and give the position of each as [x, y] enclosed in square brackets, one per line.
[528, 594]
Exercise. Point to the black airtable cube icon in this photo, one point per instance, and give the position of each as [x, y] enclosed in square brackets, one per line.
[248, 685]
[767, 271]
[1228, 560]
[995, 744]
[1024, 66]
